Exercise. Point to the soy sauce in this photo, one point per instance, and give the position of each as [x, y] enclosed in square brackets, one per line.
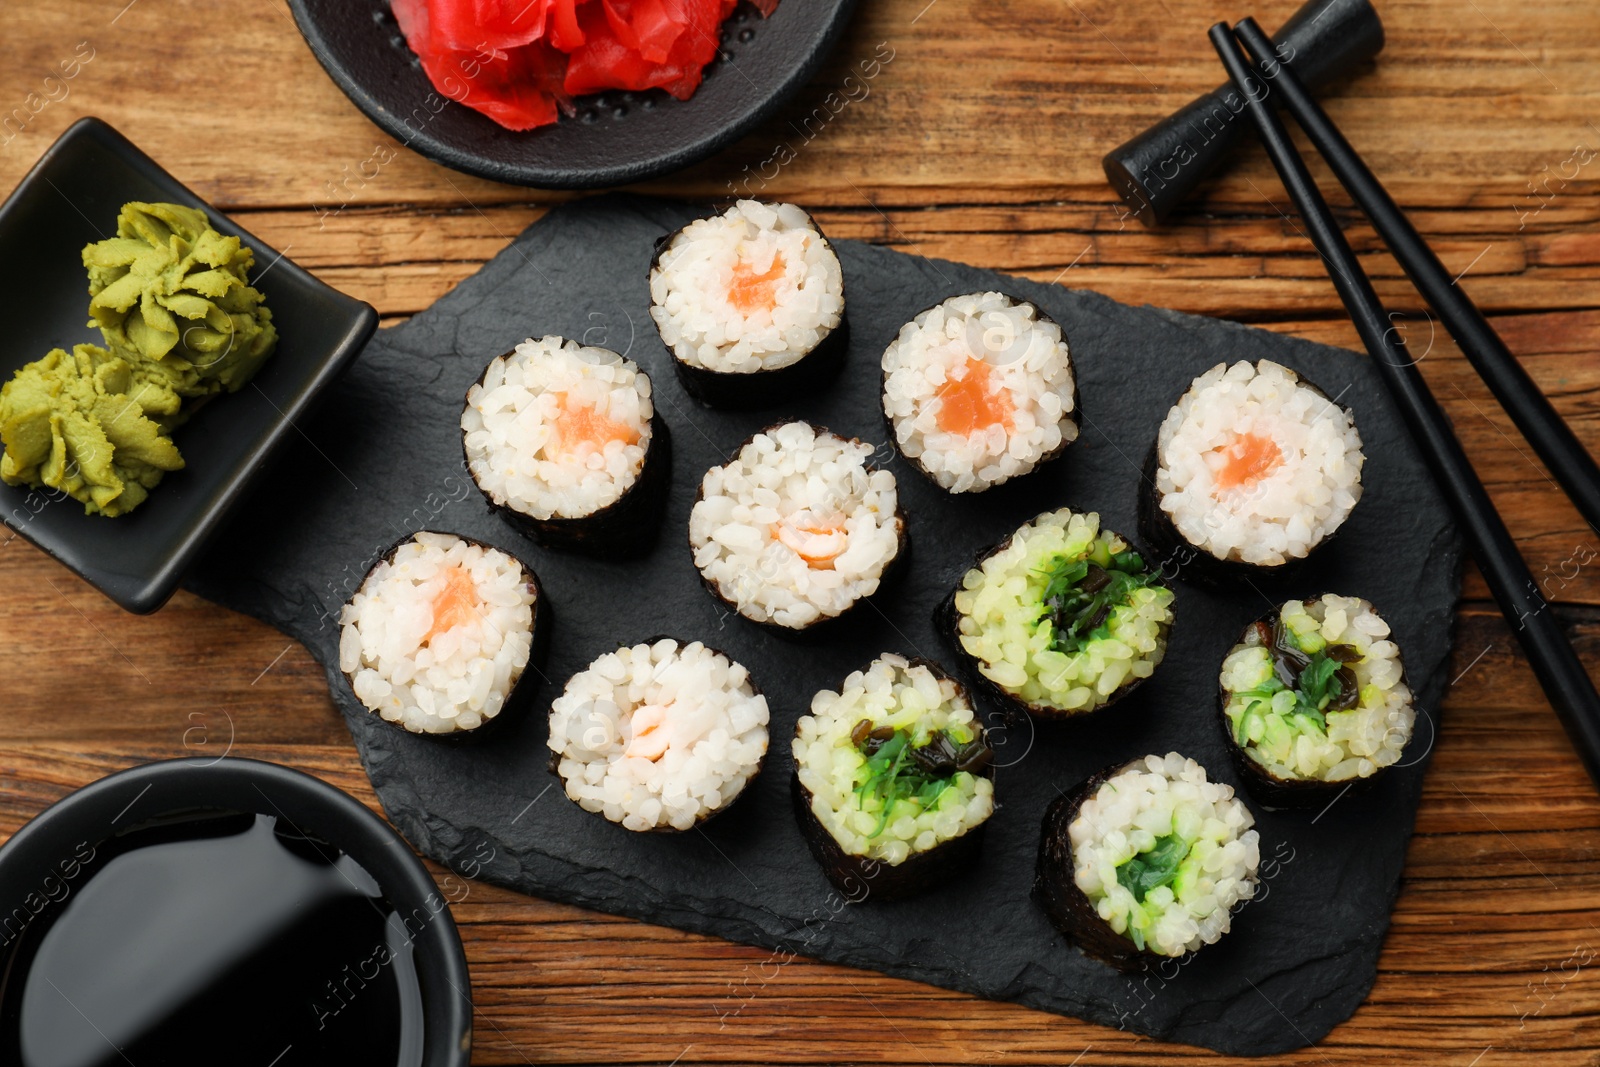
[218, 938]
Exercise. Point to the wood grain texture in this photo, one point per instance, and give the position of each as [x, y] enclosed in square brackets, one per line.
[980, 141]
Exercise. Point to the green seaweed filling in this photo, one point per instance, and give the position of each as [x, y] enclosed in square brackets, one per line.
[1156, 867]
[1322, 682]
[898, 769]
[1079, 594]
[1162, 864]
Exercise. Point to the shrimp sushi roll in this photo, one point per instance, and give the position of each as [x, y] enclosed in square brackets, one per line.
[797, 528]
[893, 780]
[440, 635]
[1146, 861]
[660, 735]
[1314, 698]
[1062, 618]
[978, 390]
[564, 441]
[751, 305]
[1252, 470]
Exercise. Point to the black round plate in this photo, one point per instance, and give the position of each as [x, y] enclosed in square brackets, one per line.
[148, 794]
[615, 137]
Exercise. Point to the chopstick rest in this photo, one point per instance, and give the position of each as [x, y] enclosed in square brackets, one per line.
[1156, 170]
[1556, 665]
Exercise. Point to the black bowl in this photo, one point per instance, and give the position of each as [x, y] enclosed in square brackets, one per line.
[31, 862]
[615, 138]
[71, 198]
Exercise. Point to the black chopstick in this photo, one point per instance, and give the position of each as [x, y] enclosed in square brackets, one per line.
[1555, 664]
[1534, 415]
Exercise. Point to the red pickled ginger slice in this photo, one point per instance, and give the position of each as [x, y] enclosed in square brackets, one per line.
[606, 61]
[649, 27]
[566, 33]
[519, 87]
[487, 26]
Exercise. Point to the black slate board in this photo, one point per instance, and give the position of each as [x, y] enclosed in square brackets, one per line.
[382, 458]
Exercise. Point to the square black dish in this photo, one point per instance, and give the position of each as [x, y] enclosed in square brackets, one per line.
[71, 198]
[1308, 943]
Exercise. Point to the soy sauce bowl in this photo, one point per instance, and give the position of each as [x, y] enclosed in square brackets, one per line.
[54, 861]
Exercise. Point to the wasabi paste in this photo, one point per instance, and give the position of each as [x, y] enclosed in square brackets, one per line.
[90, 424]
[170, 290]
[172, 299]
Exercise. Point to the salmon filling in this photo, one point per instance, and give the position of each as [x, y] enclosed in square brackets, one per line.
[972, 403]
[1250, 458]
[581, 429]
[749, 291]
[455, 604]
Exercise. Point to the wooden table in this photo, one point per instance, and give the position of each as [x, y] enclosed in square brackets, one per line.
[979, 140]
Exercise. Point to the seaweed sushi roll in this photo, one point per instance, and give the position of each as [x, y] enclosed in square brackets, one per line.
[1314, 698]
[1062, 618]
[658, 736]
[750, 303]
[1252, 470]
[979, 390]
[797, 528]
[563, 439]
[893, 779]
[438, 639]
[1146, 861]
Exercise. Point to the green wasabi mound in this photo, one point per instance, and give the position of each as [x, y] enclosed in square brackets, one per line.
[172, 291]
[172, 298]
[90, 424]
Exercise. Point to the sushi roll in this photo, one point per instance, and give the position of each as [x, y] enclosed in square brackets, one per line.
[1062, 618]
[661, 735]
[893, 779]
[1314, 698]
[1146, 861]
[751, 305]
[440, 635]
[978, 390]
[797, 528]
[1252, 470]
[563, 440]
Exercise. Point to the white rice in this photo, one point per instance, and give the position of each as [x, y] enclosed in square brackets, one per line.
[658, 736]
[1029, 368]
[891, 692]
[795, 528]
[690, 287]
[1154, 798]
[1282, 514]
[1003, 624]
[1358, 742]
[512, 425]
[438, 682]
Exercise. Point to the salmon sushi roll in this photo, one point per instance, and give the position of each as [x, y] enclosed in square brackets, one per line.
[440, 635]
[979, 390]
[751, 305]
[1253, 469]
[564, 441]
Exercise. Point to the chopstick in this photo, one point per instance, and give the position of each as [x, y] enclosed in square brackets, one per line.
[1556, 665]
[1534, 415]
